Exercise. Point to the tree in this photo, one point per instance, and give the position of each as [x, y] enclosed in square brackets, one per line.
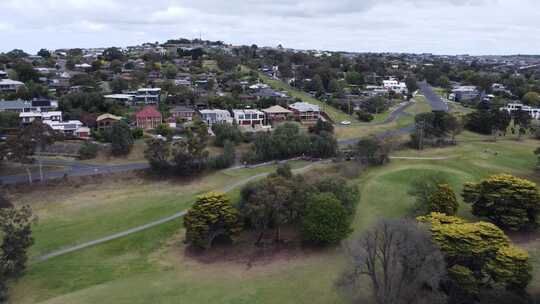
[164, 130]
[44, 53]
[121, 139]
[376, 105]
[364, 116]
[400, 261]
[325, 221]
[321, 126]
[226, 132]
[88, 150]
[116, 66]
[412, 85]
[510, 202]
[113, 53]
[190, 155]
[479, 257]
[443, 200]
[346, 194]
[25, 71]
[157, 153]
[531, 99]
[16, 232]
[9, 119]
[170, 71]
[118, 85]
[422, 188]
[522, 121]
[212, 215]
[224, 160]
[284, 170]
[372, 151]
[323, 145]
[267, 204]
[31, 139]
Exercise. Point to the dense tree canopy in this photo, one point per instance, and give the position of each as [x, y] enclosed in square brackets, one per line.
[510, 202]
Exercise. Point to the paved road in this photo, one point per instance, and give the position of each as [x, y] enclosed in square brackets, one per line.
[436, 102]
[157, 222]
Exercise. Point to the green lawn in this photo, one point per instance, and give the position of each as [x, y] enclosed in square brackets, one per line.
[151, 266]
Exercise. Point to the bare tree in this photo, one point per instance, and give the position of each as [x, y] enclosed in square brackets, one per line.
[399, 260]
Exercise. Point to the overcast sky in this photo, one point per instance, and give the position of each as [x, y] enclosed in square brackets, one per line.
[436, 26]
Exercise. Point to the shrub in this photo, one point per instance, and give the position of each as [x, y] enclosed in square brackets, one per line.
[443, 200]
[224, 160]
[364, 116]
[137, 133]
[121, 139]
[226, 132]
[325, 221]
[211, 216]
[423, 187]
[88, 150]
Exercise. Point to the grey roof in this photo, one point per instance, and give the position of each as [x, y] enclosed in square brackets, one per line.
[14, 104]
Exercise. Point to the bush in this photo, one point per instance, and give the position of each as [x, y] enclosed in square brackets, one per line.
[88, 150]
[137, 133]
[422, 188]
[212, 215]
[164, 130]
[226, 132]
[364, 116]
[325, 221]
[443, 200]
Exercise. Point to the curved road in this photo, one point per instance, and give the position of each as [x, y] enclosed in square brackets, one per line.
[435, 101]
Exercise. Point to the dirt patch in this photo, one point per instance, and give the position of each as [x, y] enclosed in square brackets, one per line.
[242, 258]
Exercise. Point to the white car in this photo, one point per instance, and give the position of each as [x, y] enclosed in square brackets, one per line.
[345, 123]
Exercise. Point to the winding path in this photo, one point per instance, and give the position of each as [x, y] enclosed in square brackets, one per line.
[157, 222]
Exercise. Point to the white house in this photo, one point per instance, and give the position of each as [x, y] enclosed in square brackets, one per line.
[29, 117]
[148, 95]
[248, 117]
[70, 127]
[8, 85]
[512, 107]
[395, 86]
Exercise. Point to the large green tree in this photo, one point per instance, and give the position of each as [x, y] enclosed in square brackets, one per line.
[510, 202]
[121, 139]
[479, 257]
[212, 215]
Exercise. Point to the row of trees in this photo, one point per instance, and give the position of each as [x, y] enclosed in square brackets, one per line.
[288, 141]
[321, 210]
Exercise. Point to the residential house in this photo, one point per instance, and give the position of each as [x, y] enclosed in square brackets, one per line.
[8, 85]
[183, 113]
[276, 114]
[148, 96]
[125, 99]
[512, 107]
[3, 74]
[249, 117]
[106, 121]
[29, 117]
[465, 93]
[148, 118]
[215, 116]
[70, 127]
[36, 105]
[305, 112]
[395, 86]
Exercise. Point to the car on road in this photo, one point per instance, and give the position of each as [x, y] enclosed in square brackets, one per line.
[345, 123]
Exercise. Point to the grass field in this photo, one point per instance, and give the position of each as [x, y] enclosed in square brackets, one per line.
[358, 130]
[152, 266]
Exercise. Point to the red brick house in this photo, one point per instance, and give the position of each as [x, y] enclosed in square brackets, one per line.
[148, 118]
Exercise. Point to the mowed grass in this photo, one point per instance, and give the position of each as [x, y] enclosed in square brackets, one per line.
[70, 216]
[151, 267]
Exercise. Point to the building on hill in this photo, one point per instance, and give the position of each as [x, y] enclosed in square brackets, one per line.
[36, 105]
[182, 113]
[213, 116]
[8, 85]
[276, 114]
[305, 112]
[148, 96]
[465, 93]
[513, 107]
[249, 117]
[29, 117]
[124, 99]
[148, 118]
[395, 86]
[106, 121]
